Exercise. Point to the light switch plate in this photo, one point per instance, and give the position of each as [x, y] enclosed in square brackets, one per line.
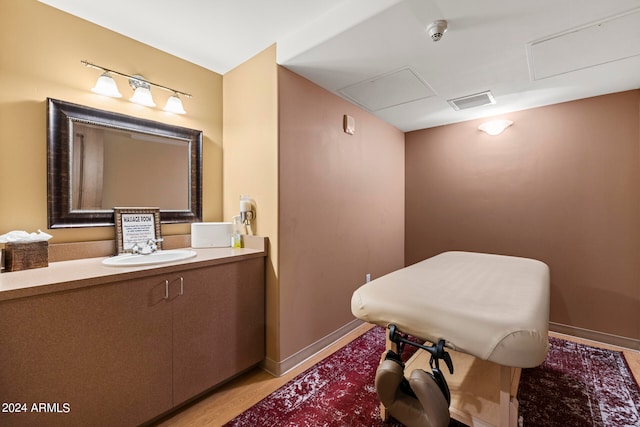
[349, 124]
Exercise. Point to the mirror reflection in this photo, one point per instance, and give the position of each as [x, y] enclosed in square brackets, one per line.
[117, 167]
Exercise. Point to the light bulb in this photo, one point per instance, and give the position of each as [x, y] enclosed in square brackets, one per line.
[142, 96]
[174, 105]
[106, 86]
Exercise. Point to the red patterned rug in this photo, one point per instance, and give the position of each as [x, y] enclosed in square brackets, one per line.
[579, 386]
[576, 386]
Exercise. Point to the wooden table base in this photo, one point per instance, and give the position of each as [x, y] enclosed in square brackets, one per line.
[483, 393]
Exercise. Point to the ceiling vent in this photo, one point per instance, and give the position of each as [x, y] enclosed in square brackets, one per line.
[472, 101]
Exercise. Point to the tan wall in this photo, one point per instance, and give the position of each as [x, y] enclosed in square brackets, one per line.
[341, 208]
[561, 185]
[251, 159]
[302, 171]
[40, 53]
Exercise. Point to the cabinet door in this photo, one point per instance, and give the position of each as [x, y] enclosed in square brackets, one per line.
[218, 325]
[98, 356]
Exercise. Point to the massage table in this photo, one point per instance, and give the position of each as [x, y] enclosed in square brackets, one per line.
[491, 311]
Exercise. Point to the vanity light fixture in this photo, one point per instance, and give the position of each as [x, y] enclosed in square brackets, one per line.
[495, 127]
[174, 105]
[142, 89]
[106, 86]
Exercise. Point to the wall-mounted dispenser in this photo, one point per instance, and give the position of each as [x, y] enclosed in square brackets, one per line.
[247, 213]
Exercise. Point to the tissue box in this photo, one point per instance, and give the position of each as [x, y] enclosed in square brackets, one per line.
[211, 234]
[23, 256]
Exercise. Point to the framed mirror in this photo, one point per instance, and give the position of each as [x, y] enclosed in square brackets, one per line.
[97, 160]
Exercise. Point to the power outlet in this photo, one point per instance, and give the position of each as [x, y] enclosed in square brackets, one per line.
[367, 278]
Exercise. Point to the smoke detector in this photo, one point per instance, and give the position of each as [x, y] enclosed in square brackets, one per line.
[437, 29]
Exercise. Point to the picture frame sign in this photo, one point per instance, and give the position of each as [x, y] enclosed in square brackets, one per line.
[136, 226]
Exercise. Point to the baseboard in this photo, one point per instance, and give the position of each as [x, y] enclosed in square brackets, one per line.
[603, 337]
[282, 367]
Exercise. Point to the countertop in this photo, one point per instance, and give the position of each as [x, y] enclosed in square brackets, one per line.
[67, 275]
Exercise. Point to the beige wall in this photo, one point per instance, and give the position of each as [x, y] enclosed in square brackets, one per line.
[561, 185]
[284, 146]
[341, 209]
[251, 160]
[40, 53]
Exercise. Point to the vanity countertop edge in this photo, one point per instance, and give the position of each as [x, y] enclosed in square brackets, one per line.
[68, 275]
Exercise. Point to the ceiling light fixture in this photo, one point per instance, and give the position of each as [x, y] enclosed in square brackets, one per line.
[495, 127]
[142, 89]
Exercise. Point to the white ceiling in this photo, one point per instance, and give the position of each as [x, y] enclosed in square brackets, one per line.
[527, 53]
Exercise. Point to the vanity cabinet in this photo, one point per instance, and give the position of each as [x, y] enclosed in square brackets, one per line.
[218, 325]
[102, 353]
[122, 353]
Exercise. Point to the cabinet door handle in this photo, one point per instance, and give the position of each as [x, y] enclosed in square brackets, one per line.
[181, 285]
[166, 289]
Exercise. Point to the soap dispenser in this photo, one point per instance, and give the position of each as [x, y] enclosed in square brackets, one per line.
[236, 237]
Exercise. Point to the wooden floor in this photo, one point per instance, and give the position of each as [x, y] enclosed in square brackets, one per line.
[235, 397]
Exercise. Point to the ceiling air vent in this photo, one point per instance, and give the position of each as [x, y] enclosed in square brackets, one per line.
[471, 101]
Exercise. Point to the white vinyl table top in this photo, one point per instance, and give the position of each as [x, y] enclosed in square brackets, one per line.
[493, 307]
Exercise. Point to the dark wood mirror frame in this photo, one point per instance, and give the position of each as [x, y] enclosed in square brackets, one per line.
[59, 116]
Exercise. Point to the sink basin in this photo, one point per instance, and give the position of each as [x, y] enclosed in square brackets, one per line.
[131, 260]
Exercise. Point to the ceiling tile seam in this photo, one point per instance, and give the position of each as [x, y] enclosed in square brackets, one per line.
[344, 90]
[530, 45]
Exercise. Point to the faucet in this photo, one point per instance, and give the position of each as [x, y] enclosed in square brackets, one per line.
[147, 248]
